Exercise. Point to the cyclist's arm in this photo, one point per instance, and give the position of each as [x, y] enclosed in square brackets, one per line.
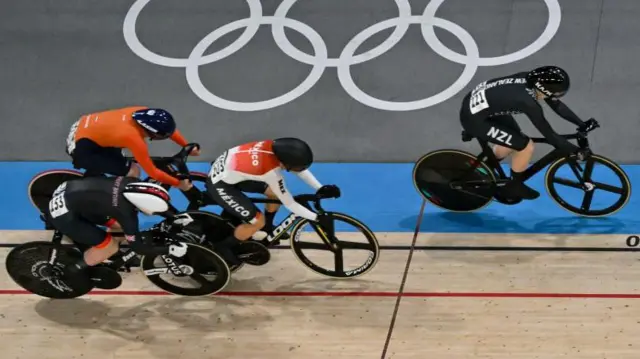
[178, 138]
[309, 179]
[563, 111]
[276, 183]
[536, 116]
[140, 152]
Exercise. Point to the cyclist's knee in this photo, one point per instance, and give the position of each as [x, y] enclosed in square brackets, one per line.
[269, 193]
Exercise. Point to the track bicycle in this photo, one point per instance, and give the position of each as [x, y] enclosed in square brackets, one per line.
[218, 228]
[38, 266]
[458, 181]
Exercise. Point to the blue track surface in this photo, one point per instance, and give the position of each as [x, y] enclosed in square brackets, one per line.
[380, 195]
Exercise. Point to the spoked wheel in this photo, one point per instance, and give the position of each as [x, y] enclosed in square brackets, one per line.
[446, 178]
[43, 184]
[351, 255]
[38, 268]
[174, 275]
[596, 187]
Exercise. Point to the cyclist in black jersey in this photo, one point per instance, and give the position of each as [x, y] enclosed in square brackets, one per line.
[486, 113]
[79, 206]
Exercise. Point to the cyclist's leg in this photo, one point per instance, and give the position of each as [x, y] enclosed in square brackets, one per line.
[100, 244]
[234, 202]
[97, 160]
[521, 158]
[270, 208]
[505, 133]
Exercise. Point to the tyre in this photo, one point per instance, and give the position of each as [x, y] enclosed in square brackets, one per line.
[163, 270]
[585, 180]
[30, 267]
[42, 185]
[329, 259]
[446, 179]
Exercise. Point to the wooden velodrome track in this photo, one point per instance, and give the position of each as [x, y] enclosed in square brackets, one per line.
[529, 296]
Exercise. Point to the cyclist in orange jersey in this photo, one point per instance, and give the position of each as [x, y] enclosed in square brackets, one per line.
[96, 141]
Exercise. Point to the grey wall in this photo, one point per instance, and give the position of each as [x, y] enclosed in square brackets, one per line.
[60, 59]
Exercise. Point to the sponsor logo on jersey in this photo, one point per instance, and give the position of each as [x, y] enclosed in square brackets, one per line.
[508, 81]
[232, 203]
[281, 185]
[115, 190]
[254, 153]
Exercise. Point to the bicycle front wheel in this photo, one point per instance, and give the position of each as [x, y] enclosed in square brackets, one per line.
[597, 187]
[353, 254]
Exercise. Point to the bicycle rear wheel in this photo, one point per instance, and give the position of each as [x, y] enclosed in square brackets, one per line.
[29, 266]
[586, 180]
[448, 180]
[42, 185]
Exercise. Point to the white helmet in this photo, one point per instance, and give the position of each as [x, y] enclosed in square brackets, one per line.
[147, 197]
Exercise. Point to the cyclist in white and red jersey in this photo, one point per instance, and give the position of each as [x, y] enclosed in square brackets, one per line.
[256, 167]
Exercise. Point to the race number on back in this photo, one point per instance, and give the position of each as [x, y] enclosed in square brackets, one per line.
[57, 205]
[218, 167]
[478, 102]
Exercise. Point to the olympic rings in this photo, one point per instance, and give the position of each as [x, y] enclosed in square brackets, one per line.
[320, 59]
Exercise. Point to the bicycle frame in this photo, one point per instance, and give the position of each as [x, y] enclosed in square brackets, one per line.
[290, 221]
[121, 259]
[487, 156]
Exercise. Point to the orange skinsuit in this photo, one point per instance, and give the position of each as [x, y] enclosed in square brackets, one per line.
[116, 128]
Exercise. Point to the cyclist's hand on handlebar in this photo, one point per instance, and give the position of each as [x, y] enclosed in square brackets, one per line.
[589, 125]
[328, 191]
[195, 151]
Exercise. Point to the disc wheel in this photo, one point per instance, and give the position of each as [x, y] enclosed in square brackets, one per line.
[600, 186]
[42, 185]
[352, 255]
[446, 178]
[30, 267]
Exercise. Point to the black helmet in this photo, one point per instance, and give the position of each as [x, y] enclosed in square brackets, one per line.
[293, 153]
[550, 80]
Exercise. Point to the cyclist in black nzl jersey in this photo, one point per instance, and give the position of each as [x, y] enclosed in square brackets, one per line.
[79, 206]
[486, 113]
